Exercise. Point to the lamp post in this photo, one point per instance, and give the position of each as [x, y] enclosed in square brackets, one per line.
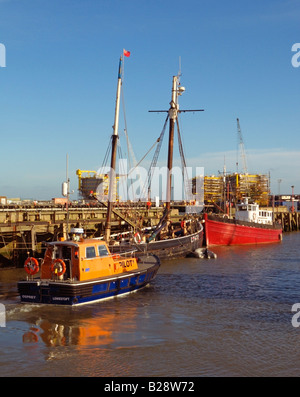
[279, 182]
[293, 198]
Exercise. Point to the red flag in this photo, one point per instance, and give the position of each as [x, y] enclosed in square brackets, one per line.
[126, 53]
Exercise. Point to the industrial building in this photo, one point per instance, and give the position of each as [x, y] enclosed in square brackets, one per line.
[233, 187]
[92, 184]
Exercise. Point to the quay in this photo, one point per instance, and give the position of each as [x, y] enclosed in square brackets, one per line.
[290, 220]
[24, 229]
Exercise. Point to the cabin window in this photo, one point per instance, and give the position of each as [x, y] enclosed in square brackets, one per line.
[102, 250]
[66, 252]
[90, 252]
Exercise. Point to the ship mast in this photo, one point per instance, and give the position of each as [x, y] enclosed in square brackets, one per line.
[172, 119]
[112, 172]
[173, 111]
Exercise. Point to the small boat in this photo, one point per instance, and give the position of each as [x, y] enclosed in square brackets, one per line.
[179, 242]
[251, 225]
[80, 271]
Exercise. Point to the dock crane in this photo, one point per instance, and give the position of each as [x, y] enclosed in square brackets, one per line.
[242, 148]
[245, 168]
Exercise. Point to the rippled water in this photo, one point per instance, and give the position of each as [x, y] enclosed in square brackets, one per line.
[225, 317]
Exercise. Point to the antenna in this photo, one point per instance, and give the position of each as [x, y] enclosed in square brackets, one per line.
[66, 192]
[179, 62]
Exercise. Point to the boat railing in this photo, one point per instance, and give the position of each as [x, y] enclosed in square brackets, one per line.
[123, 254]
[215, 217]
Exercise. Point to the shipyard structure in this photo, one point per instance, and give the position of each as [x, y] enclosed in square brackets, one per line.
[222, 189]
[26, 225]
[215, 189]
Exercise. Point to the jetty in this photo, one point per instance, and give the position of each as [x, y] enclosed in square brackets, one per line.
[290, 220]
[23, 229]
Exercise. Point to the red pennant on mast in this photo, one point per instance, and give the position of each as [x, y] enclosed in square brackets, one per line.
[126, 53]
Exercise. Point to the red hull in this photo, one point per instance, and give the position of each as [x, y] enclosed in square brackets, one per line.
[226, 233]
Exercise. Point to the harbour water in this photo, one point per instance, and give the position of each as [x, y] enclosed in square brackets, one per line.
[230, 316]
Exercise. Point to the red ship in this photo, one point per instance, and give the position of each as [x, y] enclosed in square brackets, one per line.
[250, 226]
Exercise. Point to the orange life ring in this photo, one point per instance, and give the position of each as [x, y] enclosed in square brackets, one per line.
[31, 266]
[137, 238]
[58, 267]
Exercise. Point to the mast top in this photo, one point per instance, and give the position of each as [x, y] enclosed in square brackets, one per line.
[120, 68]
[177, 90]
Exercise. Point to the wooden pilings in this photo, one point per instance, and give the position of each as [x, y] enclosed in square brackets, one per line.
[22, 230]
[290, 220]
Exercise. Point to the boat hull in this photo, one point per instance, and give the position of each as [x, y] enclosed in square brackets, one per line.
[226, 232]
[167, 249]
[77, 293]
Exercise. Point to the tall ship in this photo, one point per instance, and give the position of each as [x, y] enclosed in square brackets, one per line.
[164, 240]
[251, 225]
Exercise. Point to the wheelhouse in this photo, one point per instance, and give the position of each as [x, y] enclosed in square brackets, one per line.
[83, 260]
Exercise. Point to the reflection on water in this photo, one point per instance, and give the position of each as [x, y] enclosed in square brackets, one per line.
[229, 316]
[85, 332]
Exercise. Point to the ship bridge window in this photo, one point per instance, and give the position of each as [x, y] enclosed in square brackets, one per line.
[102, 250]
[90, 252]
[243, 208]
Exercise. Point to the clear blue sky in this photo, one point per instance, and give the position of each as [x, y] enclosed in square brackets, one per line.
[59, 84]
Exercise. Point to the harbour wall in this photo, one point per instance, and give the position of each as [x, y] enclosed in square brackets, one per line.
[23, 230]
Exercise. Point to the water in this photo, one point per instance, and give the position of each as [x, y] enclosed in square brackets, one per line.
[229, 316]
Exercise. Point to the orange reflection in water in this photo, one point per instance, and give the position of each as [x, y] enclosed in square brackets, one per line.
[94, 331]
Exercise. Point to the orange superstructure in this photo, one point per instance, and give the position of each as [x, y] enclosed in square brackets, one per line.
[79, 271]
[83, 260]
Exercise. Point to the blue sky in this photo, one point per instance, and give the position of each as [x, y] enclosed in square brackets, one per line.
[59, 84]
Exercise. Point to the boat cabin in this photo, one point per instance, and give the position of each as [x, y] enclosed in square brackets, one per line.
[83, 260]
[251, 213]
